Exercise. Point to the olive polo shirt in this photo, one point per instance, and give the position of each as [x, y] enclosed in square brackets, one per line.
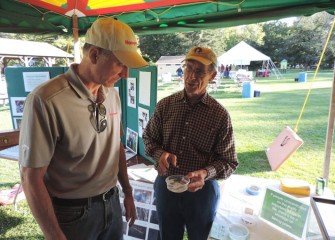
[56, 131]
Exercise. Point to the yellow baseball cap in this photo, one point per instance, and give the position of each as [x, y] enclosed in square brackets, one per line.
[118, 37]
[202, 54]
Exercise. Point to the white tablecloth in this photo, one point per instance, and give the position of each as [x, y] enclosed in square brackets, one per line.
[234, 200]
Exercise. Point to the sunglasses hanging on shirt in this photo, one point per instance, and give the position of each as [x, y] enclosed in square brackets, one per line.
[98, 116]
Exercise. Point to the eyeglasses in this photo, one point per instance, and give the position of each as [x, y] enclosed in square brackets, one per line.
[198, 72]
[98, 109]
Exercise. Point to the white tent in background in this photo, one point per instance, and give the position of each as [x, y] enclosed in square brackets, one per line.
[243, 54]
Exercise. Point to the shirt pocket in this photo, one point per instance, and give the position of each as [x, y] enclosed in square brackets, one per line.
[204, 137]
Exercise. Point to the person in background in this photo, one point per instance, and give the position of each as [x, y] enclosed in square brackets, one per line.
[226, 71]
[71, 156]
[180, 72]
[191, 134]
[222, 71]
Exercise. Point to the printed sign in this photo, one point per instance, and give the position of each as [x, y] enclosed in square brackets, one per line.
[33, 79]
[286, 212]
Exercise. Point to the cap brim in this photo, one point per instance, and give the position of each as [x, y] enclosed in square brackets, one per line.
[130, 59]
[199, 59]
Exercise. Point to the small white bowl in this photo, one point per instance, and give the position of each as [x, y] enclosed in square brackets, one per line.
[248, 219]
[238, 232]
[177, 183]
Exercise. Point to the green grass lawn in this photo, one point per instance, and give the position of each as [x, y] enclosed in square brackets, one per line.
[256, 121]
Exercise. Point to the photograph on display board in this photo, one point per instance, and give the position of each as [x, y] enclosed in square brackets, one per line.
[143, 196]
[17, 104]
[154, 217]
[143, 118]
[131, 92]
[137, 232]
[17, 122]
[142, 214]
[131, 140]
[146, 224]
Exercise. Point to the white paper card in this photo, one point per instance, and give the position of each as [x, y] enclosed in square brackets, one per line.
[33, 79]
[145, 88]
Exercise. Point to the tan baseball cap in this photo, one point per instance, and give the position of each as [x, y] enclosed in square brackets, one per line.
[202, 54]
[118, 37]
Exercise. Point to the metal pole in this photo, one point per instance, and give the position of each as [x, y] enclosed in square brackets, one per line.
[330, 132]
[76, 42]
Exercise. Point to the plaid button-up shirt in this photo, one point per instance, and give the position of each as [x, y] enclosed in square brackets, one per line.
[201, 136]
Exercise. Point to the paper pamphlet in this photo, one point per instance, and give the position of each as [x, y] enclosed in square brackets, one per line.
[142, 172]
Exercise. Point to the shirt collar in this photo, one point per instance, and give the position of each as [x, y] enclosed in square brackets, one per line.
[80, 88]
[181, 96]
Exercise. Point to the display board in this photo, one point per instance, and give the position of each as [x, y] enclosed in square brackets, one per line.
[138, 94]
[20, 81]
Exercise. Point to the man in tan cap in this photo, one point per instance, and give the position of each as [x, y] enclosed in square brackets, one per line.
[191, 134]
[71, 156]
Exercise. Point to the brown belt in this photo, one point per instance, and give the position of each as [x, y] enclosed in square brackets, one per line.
[83, 201]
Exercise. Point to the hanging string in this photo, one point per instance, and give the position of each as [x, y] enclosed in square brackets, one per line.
[314, 76]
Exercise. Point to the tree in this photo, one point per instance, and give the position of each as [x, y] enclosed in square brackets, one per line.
[322, 23]
[157, 45]
[275, 43]
[206, 38]
[305, 40]
[252, 34]
[220, 40]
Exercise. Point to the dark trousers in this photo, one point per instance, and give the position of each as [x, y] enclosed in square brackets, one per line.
[193, 211]
[95, 220]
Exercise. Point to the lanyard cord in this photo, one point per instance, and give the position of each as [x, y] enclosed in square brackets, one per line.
[314, 76]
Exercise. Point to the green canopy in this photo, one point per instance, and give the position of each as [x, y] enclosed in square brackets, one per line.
[163, 17]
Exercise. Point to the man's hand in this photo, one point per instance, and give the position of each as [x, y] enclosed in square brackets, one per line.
[197, 180]
[130, 208]
[164, 163]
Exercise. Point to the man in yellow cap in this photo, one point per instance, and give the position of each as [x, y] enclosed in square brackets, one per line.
[71, 156]
[191, 134]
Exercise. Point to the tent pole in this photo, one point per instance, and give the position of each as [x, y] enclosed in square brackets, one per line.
[330, 132]
[76, 42]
